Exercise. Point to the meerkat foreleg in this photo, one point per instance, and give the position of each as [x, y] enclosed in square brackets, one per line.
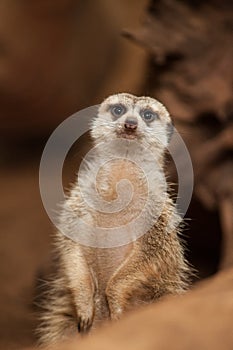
[143, 279]
[128, 283]
[82, 288]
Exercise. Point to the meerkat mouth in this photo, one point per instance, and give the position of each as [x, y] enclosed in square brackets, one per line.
[130, 135]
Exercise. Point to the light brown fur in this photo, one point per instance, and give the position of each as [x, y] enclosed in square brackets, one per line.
[96, 284]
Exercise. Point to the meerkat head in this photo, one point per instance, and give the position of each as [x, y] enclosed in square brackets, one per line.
[126, 116]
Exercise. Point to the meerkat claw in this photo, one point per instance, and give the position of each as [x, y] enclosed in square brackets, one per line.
[84, 325]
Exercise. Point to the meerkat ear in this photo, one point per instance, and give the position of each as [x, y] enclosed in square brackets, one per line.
[170, 129]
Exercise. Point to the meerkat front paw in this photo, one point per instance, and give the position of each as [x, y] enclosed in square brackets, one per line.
[85, 319]
[115, 303]
[115, 309]
[116, 313]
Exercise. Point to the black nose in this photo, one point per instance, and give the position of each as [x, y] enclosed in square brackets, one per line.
[131, 123]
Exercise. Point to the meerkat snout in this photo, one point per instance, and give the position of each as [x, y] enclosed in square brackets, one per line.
[131, 123]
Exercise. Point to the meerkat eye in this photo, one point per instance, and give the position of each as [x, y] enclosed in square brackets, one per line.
[149, 115]
[118, 110]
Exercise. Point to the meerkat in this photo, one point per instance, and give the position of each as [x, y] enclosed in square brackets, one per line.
[94, 283]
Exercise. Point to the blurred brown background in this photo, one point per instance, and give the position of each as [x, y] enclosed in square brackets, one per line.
[57, 57]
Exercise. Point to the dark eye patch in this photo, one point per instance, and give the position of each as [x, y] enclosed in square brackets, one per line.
[148, 115]
[117, 110]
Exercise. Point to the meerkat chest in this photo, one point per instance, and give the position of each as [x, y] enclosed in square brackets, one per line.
[117, 194]
[114, 202]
